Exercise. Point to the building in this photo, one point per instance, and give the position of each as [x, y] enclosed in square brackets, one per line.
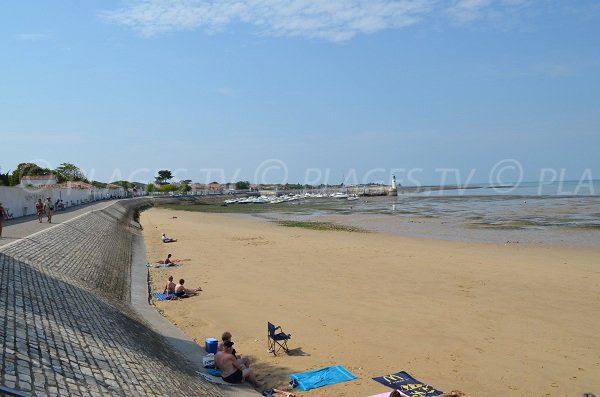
[199, 188]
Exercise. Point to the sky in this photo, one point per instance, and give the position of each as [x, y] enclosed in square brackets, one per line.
[303, 91]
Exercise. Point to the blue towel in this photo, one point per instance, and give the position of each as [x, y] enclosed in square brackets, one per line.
[213, 372]
[407, 384]
[164, 265]
[162, 297]
[321, 377]
[169, 265]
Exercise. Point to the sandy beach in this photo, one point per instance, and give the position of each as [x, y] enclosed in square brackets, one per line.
[485, 319]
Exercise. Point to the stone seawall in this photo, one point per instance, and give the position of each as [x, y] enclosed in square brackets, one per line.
[67, 326]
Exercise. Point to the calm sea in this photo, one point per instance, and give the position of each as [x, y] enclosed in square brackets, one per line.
[560, 213]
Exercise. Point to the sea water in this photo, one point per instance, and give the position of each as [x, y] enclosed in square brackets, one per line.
[558, 213]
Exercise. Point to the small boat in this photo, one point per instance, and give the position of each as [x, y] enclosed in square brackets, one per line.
[339, 195]
[353, 197]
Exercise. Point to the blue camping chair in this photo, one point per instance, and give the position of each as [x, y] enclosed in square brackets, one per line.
[277, 340]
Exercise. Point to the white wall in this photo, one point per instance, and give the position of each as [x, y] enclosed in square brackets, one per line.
[38, 182]
[21, 201]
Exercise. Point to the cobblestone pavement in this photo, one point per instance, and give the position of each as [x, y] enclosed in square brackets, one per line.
[66, 324]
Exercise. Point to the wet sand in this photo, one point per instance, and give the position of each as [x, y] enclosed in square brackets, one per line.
[484, 319]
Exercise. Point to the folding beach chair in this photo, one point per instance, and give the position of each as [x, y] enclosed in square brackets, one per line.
[277, 340]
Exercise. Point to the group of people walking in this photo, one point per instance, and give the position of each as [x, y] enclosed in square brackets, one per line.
[42, 208]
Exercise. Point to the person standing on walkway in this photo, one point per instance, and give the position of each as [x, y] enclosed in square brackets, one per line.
[39, 209]
[48, 209]
[2, 215]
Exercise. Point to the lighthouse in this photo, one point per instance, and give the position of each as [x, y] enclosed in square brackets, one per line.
[393, 189]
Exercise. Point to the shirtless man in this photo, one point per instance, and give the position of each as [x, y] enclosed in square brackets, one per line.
[181, 291]
[231, 370]
[169, 261]
[169, 286]
[227, 337]
[39, 209]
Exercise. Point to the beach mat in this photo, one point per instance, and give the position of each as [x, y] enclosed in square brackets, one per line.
[321, 377]
[163, 297]
[163, 265]
[408, 385]
[216, 379]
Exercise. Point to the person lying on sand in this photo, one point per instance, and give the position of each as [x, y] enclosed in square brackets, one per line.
[166, 239]
[397, 393]
[182, 292]
[277, 392]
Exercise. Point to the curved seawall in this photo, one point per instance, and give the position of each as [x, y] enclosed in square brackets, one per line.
[67, 325]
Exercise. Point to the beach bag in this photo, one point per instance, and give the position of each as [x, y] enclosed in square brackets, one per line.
[208, 361]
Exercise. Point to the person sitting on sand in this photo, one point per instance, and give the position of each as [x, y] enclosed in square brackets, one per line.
[169, 286]
[397, 393]
[231, 370]
[169, 261]
[227, 337]
[182, 292]
[166, 239]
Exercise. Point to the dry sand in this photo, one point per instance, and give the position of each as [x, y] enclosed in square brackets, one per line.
[488, 320]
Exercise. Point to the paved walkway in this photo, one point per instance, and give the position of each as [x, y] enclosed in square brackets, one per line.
[67, 325]
[19, 228]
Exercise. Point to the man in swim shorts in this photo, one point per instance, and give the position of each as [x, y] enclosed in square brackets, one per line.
[231, 370]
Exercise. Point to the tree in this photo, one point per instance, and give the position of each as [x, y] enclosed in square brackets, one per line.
[69, 172]
[169, 187]
[242, 185]
[150, 188]
[124, 184]
[4, 178]
[27, 169]
[164, 176]
[184, 186]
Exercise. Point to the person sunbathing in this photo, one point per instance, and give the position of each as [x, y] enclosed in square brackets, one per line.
[397, 393]
[182, 292]
[169, 286]
[277, 392]
[231, 370]
[171, 262]
[166, 239]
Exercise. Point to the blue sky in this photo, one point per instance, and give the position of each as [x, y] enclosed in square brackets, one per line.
[301, 91]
